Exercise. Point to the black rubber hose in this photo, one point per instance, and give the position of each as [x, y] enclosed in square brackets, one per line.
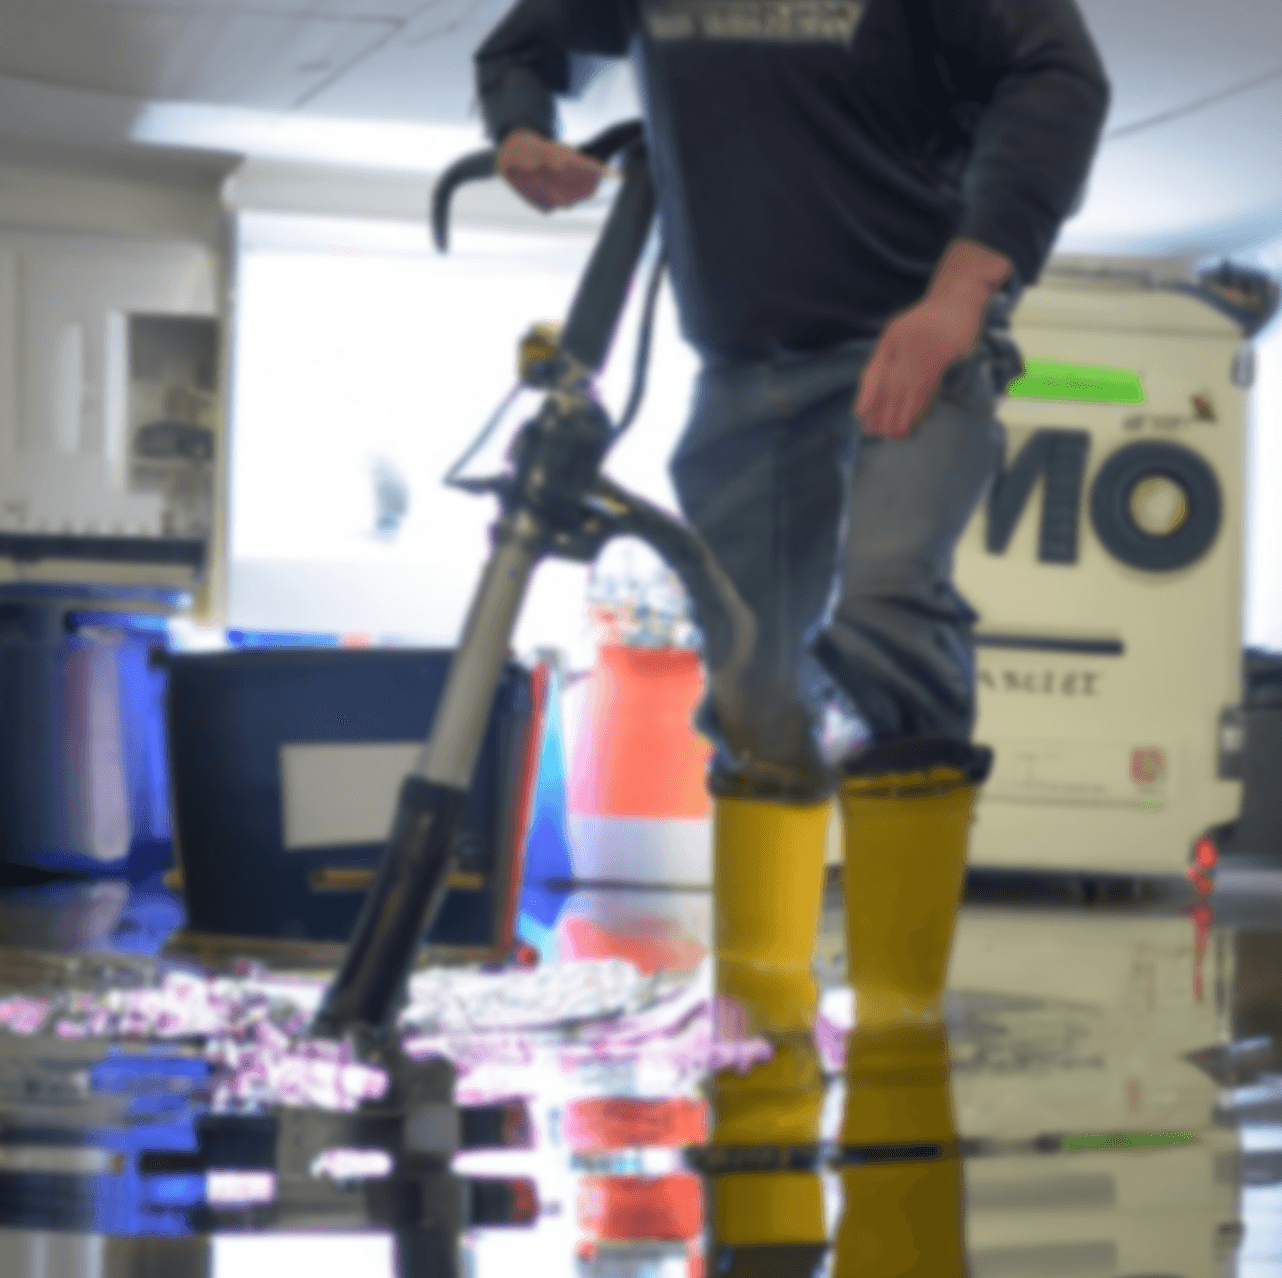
[603, 289]
[411, 883]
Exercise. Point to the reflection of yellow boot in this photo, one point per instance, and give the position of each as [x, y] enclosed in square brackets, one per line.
[897, 1086]
[907, 811]
[901, 1174]
[775, 1104]
[768, 876]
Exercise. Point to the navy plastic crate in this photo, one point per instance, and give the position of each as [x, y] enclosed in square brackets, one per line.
[229, 716]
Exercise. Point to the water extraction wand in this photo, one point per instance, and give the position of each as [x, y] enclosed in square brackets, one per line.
[553, 501]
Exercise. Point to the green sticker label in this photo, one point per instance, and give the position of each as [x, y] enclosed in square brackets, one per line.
[1083, 383]
[1127, 1140]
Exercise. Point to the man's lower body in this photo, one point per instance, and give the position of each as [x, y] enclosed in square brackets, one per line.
[841, 546]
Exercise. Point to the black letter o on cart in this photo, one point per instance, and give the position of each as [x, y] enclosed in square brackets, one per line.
[1116, 527]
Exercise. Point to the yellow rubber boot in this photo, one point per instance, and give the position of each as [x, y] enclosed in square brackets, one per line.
[902, 1176]
[768, 878]
[906, 815]
[906, 835]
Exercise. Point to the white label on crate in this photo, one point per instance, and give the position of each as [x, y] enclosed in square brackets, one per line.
[1092, 772]
[333, 795]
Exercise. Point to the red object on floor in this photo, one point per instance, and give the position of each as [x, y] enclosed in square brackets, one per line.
[622, 1122]
[1206, 853]
[648, 946]
[524, 955]
[658, 1208]
[525, 1202]
[1203, 917]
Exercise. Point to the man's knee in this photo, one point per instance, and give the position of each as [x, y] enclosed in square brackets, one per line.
[903, 683]
[765, 746]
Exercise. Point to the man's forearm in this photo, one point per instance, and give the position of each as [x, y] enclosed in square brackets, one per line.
[969, 269]
[968, 277]
[525, 62]
[1034, 64]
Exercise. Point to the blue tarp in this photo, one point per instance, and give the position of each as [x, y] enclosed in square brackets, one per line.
[547, 852]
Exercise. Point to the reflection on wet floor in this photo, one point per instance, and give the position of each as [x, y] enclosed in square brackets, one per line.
[1103, 1101]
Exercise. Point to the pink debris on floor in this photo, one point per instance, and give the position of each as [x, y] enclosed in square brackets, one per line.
[504, 1032]
[676, 1035]
[23, 1015]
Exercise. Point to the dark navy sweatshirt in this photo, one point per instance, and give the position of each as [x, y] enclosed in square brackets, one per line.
[814, 158]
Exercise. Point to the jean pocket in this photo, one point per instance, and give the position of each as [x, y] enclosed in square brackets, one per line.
[971, 384]
[1006, 359]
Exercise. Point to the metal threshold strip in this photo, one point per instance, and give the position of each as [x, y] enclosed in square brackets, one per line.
[187, 552]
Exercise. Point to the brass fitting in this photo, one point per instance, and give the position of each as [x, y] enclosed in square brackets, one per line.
[537, 352]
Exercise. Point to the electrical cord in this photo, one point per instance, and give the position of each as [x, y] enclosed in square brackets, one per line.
[452, 479]
[641, 362]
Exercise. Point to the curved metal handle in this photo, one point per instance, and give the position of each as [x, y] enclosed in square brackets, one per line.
[728, 625]
[471, 168]
[480, 164]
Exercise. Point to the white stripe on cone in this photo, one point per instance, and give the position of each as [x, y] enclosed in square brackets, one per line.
[622, 849]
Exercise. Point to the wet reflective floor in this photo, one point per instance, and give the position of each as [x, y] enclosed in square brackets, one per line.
[1105, 1101]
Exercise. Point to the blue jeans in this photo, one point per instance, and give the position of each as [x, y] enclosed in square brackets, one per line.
[842, 548]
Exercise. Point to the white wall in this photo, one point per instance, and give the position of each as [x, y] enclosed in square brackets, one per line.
[357, 342]
[86, 242]
[139, 202]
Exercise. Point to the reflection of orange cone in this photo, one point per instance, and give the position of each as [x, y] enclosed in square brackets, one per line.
[642, 1208]
[639, 813]
[596, 1123]
[634, 1220]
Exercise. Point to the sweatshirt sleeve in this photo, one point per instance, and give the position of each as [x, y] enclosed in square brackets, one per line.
[1033, 69]
[536, 53]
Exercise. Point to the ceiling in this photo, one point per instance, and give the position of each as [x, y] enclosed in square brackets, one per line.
[1189, 165]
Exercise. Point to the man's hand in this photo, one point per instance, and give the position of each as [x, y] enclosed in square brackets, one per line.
[548, 175]
[917, 346]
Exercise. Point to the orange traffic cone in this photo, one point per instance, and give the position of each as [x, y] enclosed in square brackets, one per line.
[639, 814]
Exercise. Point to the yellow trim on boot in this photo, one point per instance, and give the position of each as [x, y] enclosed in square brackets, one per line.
[905, 838]
[768, 876]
